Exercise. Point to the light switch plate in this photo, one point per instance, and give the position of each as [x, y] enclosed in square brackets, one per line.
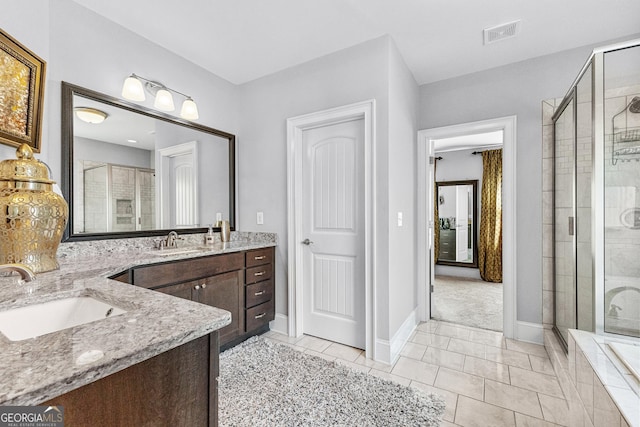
[399, 219]
[259, 218]
[218, 216]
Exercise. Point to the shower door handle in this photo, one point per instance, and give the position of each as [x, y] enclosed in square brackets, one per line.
[571, 226]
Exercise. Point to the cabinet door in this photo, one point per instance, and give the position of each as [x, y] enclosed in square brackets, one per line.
[225, 291]
[181, 290]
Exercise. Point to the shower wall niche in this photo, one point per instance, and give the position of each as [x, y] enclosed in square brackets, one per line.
[596, 197]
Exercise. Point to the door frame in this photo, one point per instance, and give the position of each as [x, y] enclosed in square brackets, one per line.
[162, 180]
[425, 137]
[295, 127]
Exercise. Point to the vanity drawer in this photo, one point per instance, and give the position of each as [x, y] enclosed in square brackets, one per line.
[258, 274]
[260, 315]
[258, 293]
[152, 276]
[259, 257]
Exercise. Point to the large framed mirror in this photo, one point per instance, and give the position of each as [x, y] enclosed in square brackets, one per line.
[128, 171]
[457, 223]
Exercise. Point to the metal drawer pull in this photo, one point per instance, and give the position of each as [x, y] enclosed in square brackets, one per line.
[259, 293]
[259, 316]
[259, 273]
[258, 258]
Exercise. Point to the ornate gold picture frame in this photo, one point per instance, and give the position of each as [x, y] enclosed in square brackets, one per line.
[22, 75]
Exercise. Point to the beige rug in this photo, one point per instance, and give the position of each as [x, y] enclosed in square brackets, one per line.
[467, 302]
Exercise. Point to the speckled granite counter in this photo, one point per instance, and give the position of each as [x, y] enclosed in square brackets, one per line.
[38, 369]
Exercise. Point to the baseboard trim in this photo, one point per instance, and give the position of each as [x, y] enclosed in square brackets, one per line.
[402, 335]
[383, 351]
[280, 324]
[530, 332]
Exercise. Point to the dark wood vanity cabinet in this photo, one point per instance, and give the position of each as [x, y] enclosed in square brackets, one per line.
[176, 388]
[239, 282]
[259, 288]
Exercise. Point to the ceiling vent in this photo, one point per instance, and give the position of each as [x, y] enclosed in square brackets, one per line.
[501, 32]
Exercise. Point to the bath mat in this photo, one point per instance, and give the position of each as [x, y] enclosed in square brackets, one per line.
[263, 383]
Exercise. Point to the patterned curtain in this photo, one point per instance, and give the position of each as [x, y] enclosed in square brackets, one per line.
[436, 219]
[490, 244]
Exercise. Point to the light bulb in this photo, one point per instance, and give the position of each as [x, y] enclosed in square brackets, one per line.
[132, 89]
[189, 110]
[164, 101]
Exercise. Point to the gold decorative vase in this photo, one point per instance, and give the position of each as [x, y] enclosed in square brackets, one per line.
[32, 215]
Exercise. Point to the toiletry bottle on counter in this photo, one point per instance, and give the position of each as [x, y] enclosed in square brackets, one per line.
[225, 230]
[208, 238]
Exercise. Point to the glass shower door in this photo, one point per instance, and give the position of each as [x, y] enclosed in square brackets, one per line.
[564, 220]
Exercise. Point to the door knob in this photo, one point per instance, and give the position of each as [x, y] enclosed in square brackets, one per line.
[307, 242]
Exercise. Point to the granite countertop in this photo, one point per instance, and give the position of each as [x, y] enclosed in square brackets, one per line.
[38, 369]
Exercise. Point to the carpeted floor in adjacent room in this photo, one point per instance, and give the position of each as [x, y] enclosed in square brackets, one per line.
[467, 302]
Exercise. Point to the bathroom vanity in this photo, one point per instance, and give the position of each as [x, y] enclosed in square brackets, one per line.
[240, 282]
[156, 363]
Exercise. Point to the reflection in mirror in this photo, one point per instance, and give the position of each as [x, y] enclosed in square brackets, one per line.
[140, 172]
[457, 220]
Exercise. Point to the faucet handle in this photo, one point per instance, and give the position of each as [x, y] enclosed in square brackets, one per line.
[25, 272]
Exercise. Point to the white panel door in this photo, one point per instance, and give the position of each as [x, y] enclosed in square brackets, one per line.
[333, 232]
[183, 197]
[462, 222]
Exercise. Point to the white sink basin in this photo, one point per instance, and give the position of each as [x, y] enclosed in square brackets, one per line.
[179, 251]
[39, 319]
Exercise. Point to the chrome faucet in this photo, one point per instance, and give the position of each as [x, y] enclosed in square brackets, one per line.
[25, 272]
[171, 240]
[612, 309]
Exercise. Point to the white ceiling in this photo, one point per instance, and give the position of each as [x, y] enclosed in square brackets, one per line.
[243, 40]
[119, 127]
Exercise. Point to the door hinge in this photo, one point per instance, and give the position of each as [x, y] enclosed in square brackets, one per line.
[432, 160]
[431, 288]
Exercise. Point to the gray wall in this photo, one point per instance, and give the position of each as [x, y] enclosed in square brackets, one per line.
[213, 167]
[99, 151]
[83, 48]
[402, 152]
[28, 22]
[345, 77]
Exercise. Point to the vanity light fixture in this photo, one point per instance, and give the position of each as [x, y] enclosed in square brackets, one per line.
[90, 115]
[133, 90]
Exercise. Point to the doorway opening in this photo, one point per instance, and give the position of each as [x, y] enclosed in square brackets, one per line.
[468, 227]
[457, 273]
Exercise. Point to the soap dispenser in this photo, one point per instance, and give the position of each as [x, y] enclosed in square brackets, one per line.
[208, 239]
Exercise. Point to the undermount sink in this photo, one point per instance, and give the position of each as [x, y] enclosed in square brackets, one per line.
[35, 320]
[180, 251]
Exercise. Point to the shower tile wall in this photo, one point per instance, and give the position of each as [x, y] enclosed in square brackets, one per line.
[564, 219]
[95, 199]
[123, 194]
[147, 182]
[622, 192]
[548, 109]
[584, 177]
[622, 196]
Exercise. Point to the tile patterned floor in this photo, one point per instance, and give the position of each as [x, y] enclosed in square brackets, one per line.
[485, 379]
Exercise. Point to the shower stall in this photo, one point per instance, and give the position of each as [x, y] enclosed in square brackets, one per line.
[596, 204]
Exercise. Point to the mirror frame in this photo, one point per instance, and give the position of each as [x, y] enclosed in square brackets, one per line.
[474, 231]
[68, 92]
